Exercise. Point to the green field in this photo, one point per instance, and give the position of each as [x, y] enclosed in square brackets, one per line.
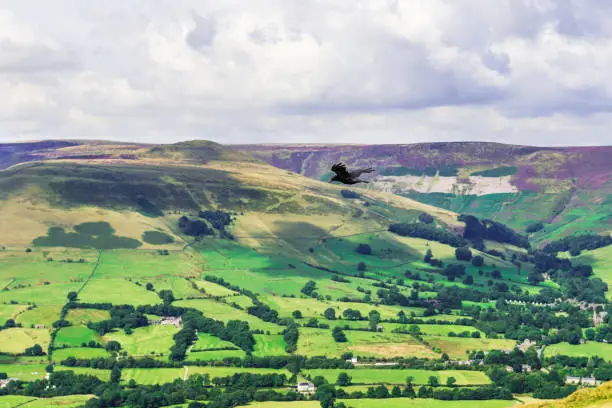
[393, 376]
[41, 295]
[69, 401]
[10, 312]
[117, 291]
[212, 289]
[589, 349]
[44, 315]
[103, 375]
[600, 259]
[74, 336]
[16, 340]
[215, 355]
[83, 316]
[150, 376]
[80, 353]
[24, 372]
[269, 345]
[145, 341]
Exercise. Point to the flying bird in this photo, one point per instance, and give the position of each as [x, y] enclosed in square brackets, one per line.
[348, 177]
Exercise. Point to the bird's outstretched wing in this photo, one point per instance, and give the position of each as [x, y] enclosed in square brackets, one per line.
[358, 172]
[340, 169]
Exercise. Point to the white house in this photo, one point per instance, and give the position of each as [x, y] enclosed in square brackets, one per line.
[306, 388]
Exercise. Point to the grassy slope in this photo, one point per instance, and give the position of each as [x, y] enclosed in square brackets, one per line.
[600, 397]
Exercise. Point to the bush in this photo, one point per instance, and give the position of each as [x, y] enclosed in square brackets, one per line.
[349, 194]
[478, 261]
[339, 335]
[534, 227]
[429, 232]
[364, 249]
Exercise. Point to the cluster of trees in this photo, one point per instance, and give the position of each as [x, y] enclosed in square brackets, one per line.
[291, 336]
[194, 228]
[429, 258]
[426, 218]
[478, 230]
[543, 385]
[219, 220]
[309, 289]
[236, 331]
[453, 271]
[364, 249]
[125, 317]
[428, 232]
[338, 335]
[575, 244]
[602, 333]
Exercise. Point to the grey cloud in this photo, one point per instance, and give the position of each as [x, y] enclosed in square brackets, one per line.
[203, 33]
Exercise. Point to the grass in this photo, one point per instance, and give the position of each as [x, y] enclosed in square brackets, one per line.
[145, 341]
[74, 336]
[83, 316]
[319, 342]
[103, 375]
[16, 340]
[117, 291]
[269, 345]
[143, 264]
[34, 268]
[456, 347]
[391, 376]
[46, 315]
[69, 401]
[600, 260]
[213, 289]
[24, 372]
[42, 295]
[180, 287]
[10, 312]
[150, 376]
[215, 355]
[589, 349]
[59, 355]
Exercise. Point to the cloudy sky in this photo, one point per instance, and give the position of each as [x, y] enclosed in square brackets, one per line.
[305, 71]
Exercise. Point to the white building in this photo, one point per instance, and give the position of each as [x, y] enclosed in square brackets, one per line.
[306, 388]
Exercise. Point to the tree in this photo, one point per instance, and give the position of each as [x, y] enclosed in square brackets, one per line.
[351, 314]
[364, 249]
[72, 296]
[468, 280]
[339, 335]
[478, 261]
[374, 318]
[35, 350]
[589, 334]
[450, 381]
[330, 314]
[475, 335]
[326, 394]
[115, 376]
[113, 345]
[309, 288]
[167, 296]
[433, 381]
[297, 314]
[343, 379]
[409, 391]
[361, 266]
[496, 274]
[463, 254]
[149, 286]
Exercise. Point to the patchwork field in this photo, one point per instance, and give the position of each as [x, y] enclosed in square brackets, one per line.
[25, 372]
[394, 376]
[17, 340]
[60, 355]
[74, 336]
[390, 403]
[117, 291]
[149, 340]
[457, 347]
[589, 349]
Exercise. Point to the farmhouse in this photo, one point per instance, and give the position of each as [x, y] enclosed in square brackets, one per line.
[306, 388]
[526, 344]
[590, 381]
[168, 321]
[379, 328]
[40, 326]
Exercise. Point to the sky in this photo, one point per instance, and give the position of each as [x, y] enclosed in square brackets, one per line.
[302, 71]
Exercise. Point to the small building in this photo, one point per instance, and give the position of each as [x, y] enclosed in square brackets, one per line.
[4, 383]
[379, 328]
[526, 344]
[306, 388]
[168, 321]
[352, 360]
[40, 326]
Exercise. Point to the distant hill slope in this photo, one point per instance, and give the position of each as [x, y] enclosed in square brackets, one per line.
[568, 189]
[146, 187]
[600, 397]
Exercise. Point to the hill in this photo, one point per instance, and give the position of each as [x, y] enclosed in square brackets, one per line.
[600, 397]
[211, 273]
[567, 189]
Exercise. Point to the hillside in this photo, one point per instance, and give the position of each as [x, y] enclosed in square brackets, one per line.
[600, 397]
[568, 189]
[211, 273]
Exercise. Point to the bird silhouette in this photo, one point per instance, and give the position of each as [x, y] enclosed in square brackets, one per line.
[348, 177]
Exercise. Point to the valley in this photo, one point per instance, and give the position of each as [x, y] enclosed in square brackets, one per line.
[198, 275]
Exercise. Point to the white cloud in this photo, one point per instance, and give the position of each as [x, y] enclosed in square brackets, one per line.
[365, 71]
